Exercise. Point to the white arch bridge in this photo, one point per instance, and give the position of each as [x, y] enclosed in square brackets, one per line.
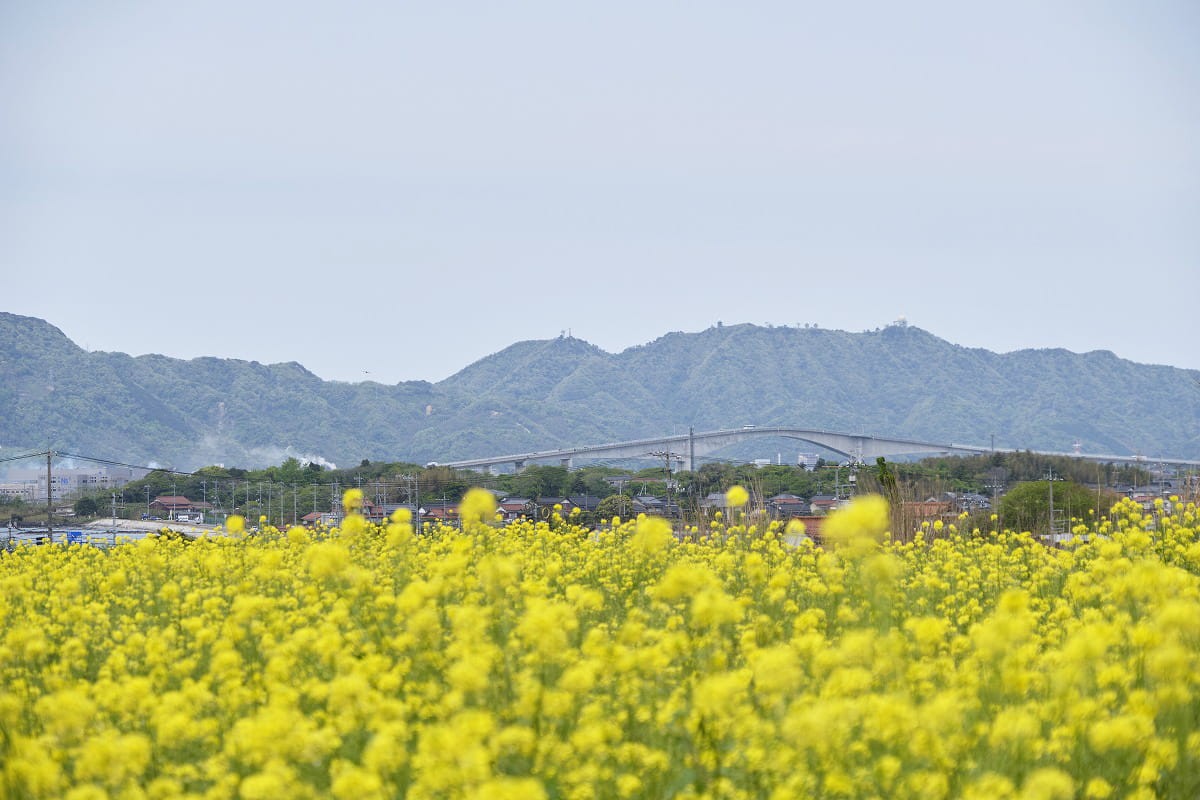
[685, 448]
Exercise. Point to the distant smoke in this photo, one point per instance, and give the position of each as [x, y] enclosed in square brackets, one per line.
[318, 461]
[212, 450]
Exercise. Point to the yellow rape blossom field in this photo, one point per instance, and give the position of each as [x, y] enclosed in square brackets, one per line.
[545, 660]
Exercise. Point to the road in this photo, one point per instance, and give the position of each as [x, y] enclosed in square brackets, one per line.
[139, 526]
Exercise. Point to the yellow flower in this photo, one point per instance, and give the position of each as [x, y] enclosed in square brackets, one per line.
[652, 534]
[1048, 783]
[506, 788]
[352, 782]
[327, 559]
[711, 607]
[478, 507]
[235, 523]
[367, 663]
[777, 670]
[683, 580]
[796, 531]
[859, 527]
[352, 500]
[736, 497]
[714, 694]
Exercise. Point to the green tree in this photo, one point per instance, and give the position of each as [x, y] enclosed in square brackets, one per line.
[537, 480]
[86, 507]
[291, 471]
[1027, 506]
[615, 505]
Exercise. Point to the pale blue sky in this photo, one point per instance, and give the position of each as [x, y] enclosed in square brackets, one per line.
[401, 189]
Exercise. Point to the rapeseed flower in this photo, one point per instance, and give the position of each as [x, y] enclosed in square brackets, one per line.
[478, 506]
[860, 527]
[651, 534]
[537, 660]
[736, 497]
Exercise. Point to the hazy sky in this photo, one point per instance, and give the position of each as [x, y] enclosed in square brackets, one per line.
[400, 189]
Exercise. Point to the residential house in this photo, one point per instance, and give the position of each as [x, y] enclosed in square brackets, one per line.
[972, 501]
[586, 503]
[1145, 499]
[514, 508]
[823, 503]
[440, 511]
[326, 518]
[929, 510]
[787, 506]
[545, 506]
[391, 508]
[179, 507]
[371, 511]
[648, 504]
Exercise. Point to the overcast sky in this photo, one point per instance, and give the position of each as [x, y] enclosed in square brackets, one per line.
[390, 191]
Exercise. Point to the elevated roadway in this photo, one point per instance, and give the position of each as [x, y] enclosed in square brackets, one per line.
[685, 448]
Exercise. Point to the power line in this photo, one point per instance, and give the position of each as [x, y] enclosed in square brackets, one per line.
[110, 462]
[20, 458]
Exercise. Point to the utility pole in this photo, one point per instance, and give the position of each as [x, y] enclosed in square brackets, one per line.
[1052, 525]
[49, 496]
[1050, 491]
[666, 456]
[412, 491]
[995, 480]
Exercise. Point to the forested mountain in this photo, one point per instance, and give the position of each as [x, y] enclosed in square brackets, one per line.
[538, 395]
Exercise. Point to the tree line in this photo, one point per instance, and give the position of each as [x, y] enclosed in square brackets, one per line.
[291, 489]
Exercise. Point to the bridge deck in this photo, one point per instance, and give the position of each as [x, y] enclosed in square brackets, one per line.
[857, 447]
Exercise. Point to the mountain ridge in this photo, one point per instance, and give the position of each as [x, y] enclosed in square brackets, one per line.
[546, 393]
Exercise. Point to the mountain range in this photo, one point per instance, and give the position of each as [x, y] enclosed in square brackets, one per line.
[537, 395]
